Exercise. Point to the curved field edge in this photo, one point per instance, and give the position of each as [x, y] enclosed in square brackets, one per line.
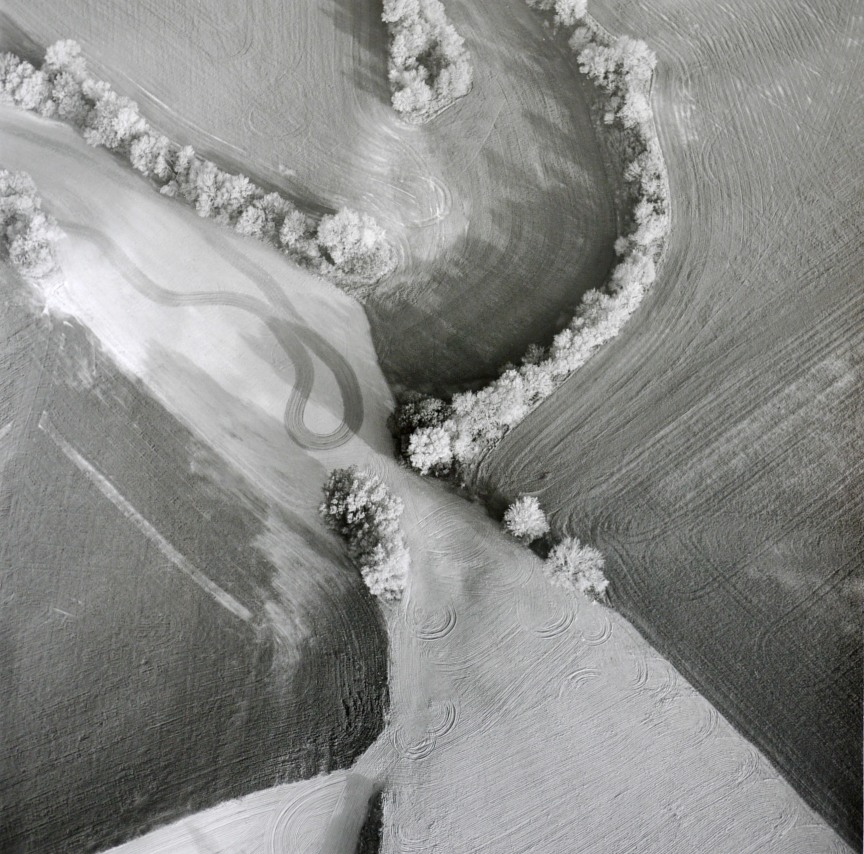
[714, 450]
[474, 422]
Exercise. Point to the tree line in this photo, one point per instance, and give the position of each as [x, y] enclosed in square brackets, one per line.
[348, 246]
[439, 437]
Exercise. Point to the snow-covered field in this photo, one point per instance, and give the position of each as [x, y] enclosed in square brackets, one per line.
[521, 720]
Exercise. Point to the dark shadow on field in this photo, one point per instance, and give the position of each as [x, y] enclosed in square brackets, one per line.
[370, 834]
[361, 20]
[131, 696]
[13, 39]
[456, 329]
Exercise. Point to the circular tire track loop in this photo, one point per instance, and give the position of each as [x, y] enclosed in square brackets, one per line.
[287, 832]
[429, 627]
[602, 636]
[295, 339]
[448, 717]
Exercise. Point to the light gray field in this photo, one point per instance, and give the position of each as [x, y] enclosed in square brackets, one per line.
[714, 451]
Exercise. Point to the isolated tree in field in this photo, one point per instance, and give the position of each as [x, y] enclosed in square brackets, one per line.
[360, 507]
[577, 566]
[525, 519]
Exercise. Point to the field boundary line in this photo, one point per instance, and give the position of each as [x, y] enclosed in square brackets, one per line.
[226, 600]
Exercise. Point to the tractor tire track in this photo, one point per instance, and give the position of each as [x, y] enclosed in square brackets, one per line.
[295, 339]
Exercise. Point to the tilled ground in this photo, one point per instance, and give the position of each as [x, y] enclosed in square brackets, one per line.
[714, 451]
[133, 694]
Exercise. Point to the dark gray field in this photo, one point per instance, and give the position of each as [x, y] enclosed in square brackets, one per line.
[714, 450]
[133, 694]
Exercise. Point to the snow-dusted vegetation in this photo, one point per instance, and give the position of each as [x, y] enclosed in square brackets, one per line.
[577, 566]
[525, 519]
[429, 67]
[622, 68]
[360, 507]
[27, 233]
[347, 246]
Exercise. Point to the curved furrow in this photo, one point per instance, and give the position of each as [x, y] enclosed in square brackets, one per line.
[600, 637]
[548, 627]
[584, 674]
[449, 716]
[287, 830]
[415, 752]
[430, 626]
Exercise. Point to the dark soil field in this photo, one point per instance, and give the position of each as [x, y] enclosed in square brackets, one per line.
[715, 451]
[500, 207]
[133, 694]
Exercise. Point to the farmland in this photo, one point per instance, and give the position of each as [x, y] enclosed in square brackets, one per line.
[714, 450]
[489, 668]
[156, 662]
[296, 94]
[184, 634]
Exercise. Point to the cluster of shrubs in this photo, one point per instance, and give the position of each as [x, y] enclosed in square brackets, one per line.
[27, 233]
[567, 12]
[476, 420]
[429, 67]
[359, 507]
[569, 563]
[348, 246]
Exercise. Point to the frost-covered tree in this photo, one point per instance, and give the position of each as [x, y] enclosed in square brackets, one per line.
[114, 120]
[153, 155]
[525, 519]
[27, 233]
[577, 566]
[430, 450]
[567, 12]
[359, 506]
[415, 411]
[355, 243]
[349, 244]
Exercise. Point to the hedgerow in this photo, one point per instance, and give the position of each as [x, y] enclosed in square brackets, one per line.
[359, 507]
[428, 65]
[623, 69]
[27, 233]
[347, 246]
